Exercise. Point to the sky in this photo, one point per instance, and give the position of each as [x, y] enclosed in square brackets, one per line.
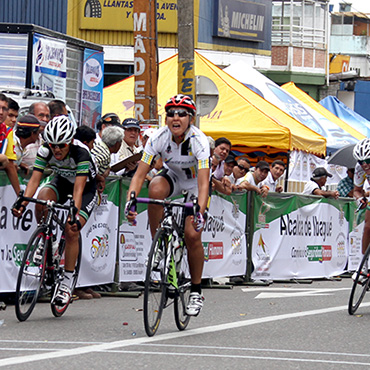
[357, 5]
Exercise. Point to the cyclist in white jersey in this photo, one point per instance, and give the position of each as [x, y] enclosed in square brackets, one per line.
[361, 152]
[185, 152]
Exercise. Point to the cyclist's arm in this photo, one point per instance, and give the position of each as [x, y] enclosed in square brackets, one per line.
[203, 188]
[33, 184]
[358, 192]
[138, 179]
[78, 190]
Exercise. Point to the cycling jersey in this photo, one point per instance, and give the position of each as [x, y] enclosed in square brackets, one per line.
[183, 160]
[78, 162]
[359, 176]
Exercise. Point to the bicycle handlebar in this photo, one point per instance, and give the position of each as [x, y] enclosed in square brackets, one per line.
[48, 203]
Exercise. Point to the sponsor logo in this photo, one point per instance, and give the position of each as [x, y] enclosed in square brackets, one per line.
[213, 251]
[319, 253]
[99, 246]
[18, 253]
[128, 248]
[262, 251]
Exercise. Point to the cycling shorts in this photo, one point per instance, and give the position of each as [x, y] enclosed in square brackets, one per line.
[63, 188]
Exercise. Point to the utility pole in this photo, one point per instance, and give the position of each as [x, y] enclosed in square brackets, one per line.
[145, 62]
[186, 71]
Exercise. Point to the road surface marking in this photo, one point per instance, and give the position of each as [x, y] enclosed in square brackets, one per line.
[175, 335]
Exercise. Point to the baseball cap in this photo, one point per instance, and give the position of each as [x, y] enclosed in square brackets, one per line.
[131, 122]
[263, 165]
[27, 123]
[320, 172]
[230, 159]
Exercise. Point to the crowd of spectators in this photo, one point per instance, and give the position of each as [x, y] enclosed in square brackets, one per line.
[113, 142]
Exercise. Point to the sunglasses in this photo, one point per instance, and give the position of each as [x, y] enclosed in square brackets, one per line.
[243, 168]
[180, 113]
[59, 146]
[365, 161]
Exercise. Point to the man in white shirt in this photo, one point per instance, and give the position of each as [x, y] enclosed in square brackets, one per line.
[253, 180]
[277, 169]
[222, 149]
[318, 180]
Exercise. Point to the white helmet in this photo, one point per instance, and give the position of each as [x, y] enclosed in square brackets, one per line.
[361, 151]
[59, 130]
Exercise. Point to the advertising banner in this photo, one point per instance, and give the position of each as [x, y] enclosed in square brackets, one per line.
[118, 15]
[92, 87]
[356, 229]
[299, 237]
[242, 20]
[98, 238]
[49, 65]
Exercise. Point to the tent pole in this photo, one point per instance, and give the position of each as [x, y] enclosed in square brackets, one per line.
[287, 173]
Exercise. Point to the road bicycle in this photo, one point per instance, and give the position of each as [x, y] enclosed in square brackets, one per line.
[167, 279]
[360, 285]
[39, 276]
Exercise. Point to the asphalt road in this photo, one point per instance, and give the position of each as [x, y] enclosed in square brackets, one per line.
[281, 326]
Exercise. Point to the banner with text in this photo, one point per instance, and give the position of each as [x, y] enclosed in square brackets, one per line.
[299, 237]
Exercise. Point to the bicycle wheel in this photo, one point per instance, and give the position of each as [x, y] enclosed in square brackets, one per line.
[182, 293]
[59, 310]
[155, 283]
[31, 275]
[360, 285]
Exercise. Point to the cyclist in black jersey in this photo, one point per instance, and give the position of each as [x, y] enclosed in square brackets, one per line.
[75, 174]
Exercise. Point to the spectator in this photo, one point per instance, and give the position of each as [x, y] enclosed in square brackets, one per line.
[109, 119]
[128, 148]
[215, 160]
[41, 111]
[7, 145]
[111, 142]
[253, 180]
[318, 180]
[224, 185]
[239, 172]
[13, 110]
[146, 135]
[346, 186]
[26, 132]
[222, 149]
[57, 108]
[277, 169]
[86, 135]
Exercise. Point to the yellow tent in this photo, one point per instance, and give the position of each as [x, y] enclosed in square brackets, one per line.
[291, 88]
[247, 120]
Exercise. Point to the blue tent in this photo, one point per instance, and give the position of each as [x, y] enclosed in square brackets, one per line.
[346, 114]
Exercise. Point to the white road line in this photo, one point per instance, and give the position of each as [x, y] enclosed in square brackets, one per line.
[290, 359]
[136, 341]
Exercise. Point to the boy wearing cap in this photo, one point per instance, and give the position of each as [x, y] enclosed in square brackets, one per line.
[26, 132]
[318, 180]
[224, 185]
[254, 180]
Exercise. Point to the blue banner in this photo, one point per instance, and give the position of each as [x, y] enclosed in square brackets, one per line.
[92, 87]
[240, 20]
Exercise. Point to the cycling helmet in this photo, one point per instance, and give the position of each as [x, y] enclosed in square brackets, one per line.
[361, 151]
[183, 101]
[59, 130]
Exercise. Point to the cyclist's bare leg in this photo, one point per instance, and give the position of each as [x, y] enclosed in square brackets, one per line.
[72, 246]
[366, 233]
[44, 194]
[159, 188]
[194, 246]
